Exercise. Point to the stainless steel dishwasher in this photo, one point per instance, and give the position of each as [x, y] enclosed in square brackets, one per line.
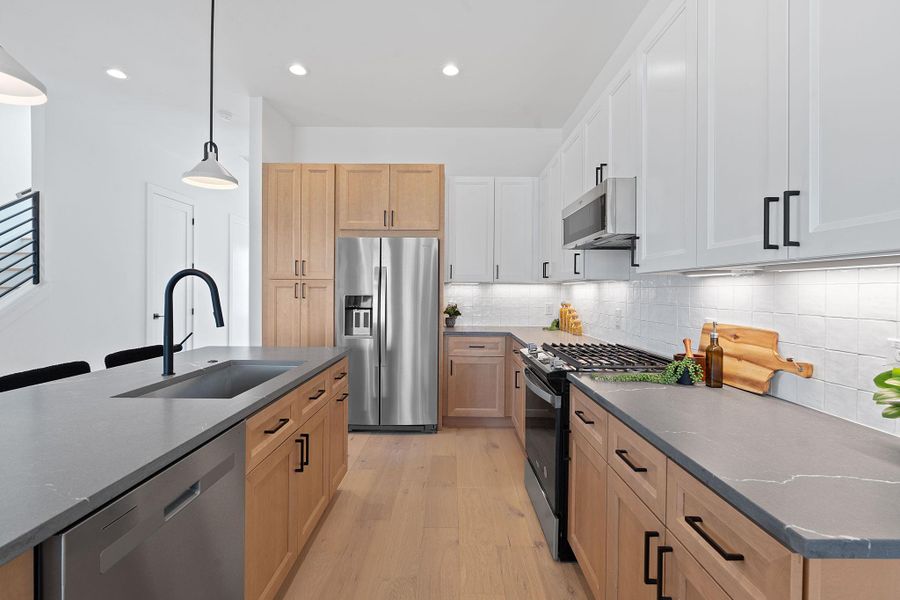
[178, 535]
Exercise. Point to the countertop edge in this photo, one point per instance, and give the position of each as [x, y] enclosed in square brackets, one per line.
[38, 534]
[485, 334]
[811, 548]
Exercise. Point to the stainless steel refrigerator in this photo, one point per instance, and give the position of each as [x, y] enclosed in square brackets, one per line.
[387, 314]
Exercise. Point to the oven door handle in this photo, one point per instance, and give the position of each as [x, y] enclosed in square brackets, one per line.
[537, 387]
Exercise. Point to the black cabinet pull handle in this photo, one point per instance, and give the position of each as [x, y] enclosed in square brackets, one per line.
[392, 218]
[385, 218]
[580, 415]
[296, 268]
[340, 375]
[318, 395]
[451, 367]
[767, 204]
[648, 535]
[497, 267]
[451, 270]
[598, 173]
[281, 423]
[303, 268]
[302, 441]
[787, 217]
[575, 263]
[475, 346]
[296, 293]
[544, 266]
[303, 290]
[694, 523]
[623, 454]
[308, 447]
[516, 379]
[343, 397]
[661, 552]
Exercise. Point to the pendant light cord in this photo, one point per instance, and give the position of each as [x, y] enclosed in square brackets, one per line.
[212, 46]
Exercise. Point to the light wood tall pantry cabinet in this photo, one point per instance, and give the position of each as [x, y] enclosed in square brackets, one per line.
[389, 197]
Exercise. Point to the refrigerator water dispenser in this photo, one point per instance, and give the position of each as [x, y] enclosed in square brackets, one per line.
[358, 316]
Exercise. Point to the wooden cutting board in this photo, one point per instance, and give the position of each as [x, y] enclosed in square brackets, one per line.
[751, 357]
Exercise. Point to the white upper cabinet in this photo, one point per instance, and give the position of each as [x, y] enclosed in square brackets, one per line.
[470, 224]
[596, 142]
[667, 190]
[573, 184]
[514, 229]
[844, 127]
[547, 223]
[624, 102]
[743, 131]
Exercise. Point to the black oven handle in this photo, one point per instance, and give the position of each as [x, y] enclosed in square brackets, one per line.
[539, 389]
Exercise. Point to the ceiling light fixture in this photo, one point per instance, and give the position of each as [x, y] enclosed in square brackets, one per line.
[17, 85]
[116, 73]
[209, 173]
[450, 70]
[297, 69]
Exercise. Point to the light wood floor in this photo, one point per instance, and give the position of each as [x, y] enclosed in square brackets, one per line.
[441, 516]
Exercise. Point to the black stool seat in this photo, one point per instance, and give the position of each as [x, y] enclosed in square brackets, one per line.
[15, 381]
[133, 355]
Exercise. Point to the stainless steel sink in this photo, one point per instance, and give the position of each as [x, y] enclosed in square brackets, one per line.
[225, 380]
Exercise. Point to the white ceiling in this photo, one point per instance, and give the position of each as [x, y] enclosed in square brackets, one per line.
[524, 63]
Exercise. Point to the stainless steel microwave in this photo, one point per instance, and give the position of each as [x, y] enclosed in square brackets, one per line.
[603, 217]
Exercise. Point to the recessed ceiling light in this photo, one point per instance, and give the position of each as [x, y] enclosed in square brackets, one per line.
[297, 69]
[451, 70]
[116, 73]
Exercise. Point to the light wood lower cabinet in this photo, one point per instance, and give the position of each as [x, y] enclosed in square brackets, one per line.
[633, 534]
[339, 424]
[517, 393]
[312, 478]
[587, 512]
[317, 312]
[476, 386]
[271, 543]
[684, 578]
[17, 577]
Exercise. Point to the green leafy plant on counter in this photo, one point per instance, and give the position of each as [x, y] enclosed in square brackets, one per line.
[889, 393]
[670, 376]
[554, 325]
[452, 310]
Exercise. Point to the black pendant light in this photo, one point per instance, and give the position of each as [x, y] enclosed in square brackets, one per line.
[209, 173]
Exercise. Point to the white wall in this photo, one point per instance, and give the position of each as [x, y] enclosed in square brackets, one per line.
[474, 151]
[99, 153]
[15, 150]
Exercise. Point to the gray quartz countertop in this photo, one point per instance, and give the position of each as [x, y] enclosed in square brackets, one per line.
[524, 335]
[69, 447]
[822, 486]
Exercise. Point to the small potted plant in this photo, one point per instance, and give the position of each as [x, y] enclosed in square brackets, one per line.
[452, 311]
[888, 394]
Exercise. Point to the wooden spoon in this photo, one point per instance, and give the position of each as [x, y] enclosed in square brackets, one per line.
[688, 353]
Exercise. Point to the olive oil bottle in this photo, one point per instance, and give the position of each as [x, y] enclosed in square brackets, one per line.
[714, 358]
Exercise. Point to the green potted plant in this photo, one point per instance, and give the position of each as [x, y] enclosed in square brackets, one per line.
[684, 371]
[888, 394]
[452, 311]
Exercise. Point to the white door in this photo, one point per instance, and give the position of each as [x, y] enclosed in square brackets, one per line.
[844, 127]
[545, 260]
[514, 229]
[667, 200]
[170, 248]
[743, 129]
[238, 281]
[471, 230]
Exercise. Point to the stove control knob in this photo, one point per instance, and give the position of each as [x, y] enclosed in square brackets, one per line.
[532, 349]
[558, 364]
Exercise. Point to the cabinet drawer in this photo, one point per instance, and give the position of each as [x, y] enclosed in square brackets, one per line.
[683, 577]
[639, 464]
[340, 391]
[589, 420]
[476, 346]
[741, 557]
[309, 397]
[268, 428]
[336, 375]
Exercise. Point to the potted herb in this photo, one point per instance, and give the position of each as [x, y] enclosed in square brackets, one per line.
[889, 393]
[452, 311]
[684, 371]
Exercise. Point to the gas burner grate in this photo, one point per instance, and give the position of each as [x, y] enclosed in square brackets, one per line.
[606, 357]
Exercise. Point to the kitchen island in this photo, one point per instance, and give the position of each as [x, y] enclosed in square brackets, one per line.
[71, 446]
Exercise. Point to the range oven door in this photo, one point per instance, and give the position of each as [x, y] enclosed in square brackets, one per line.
[543, 435]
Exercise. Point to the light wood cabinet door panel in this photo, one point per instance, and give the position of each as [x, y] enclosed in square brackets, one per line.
[268, 429]
[685, 579]
[587, 512]
[416, 192]
[311, 477]
[363, 196]
[475, 386]
[270, 538]
[588, 419]
[639, 464]
[17, 577]
[281, 313]
[317, 312]
[465, 345]
[281, 221]
[317, 220]
[633, 534]
[337, 435]
[516, 385]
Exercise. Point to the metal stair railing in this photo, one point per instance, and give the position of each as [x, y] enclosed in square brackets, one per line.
[20, 252]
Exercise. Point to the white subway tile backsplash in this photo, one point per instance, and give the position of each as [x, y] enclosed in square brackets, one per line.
[839, 321]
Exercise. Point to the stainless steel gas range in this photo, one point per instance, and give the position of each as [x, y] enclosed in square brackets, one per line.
[547, 422]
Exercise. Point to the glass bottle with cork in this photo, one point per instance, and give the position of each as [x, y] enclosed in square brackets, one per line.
[715, 356]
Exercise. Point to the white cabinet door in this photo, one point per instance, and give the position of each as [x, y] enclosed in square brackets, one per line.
[844, 127]
[667, 199]
[557, 254]
[572, 181]
[547, 223]
[514, 229]
[743, 129]
[596, 142]
[470, 223]
[624, 103]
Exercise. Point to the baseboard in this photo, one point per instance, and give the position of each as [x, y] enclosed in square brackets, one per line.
[492, 422]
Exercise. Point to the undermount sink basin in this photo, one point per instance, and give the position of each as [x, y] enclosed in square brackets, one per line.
[225, 380]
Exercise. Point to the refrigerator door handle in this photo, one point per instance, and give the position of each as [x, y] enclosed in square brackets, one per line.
[384, 312]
